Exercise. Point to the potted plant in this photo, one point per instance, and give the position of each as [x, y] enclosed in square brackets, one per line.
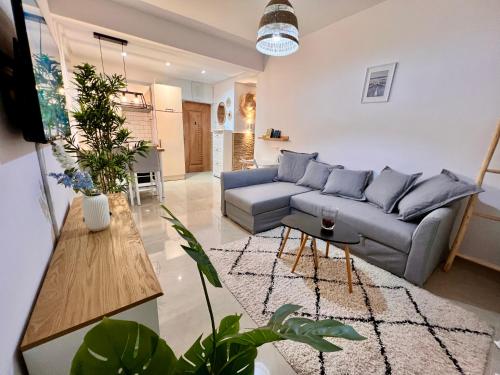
[125, 347]
[102, 145]
[95, 204]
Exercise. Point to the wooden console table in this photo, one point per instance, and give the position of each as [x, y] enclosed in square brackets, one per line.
[90, 275]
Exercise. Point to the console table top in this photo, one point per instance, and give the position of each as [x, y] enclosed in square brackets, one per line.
[91, 275]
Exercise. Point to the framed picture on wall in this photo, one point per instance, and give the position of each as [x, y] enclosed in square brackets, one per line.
[378, 82]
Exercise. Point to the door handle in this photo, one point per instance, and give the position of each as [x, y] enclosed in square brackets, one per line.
[169, 110]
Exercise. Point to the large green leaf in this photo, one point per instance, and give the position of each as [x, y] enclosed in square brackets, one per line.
[198, 358]
[194, 250]
[298, 329]
[123, 347]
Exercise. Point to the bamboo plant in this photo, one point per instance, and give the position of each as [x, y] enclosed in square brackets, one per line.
[125, 347]
[103, 146]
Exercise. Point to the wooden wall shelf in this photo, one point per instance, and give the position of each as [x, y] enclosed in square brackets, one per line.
[284, 138]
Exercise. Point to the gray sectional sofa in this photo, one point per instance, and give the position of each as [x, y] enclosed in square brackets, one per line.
[411, 250]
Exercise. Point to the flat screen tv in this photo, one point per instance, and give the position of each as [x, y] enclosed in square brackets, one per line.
[40, 96]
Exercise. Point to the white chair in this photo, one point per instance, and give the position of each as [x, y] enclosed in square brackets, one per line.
[149, 169]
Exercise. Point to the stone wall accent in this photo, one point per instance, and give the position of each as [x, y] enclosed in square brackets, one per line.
[243, 148]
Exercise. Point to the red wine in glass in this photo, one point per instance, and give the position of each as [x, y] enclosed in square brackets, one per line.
[328, 217]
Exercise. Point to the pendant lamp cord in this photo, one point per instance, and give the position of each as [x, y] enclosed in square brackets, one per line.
[102, 60]
[124, 69]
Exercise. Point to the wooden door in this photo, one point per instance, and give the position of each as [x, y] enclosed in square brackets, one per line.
[197, 136]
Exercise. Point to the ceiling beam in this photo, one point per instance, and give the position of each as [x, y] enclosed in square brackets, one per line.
[127, 20]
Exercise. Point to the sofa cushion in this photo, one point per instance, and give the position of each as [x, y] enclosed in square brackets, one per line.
[435, 192]
[256, 199]
[368, 220]
[347, 183]
[293, 165]
[316, 174]
[389, 187]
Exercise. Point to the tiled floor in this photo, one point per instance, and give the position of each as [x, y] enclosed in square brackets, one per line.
[182, 310]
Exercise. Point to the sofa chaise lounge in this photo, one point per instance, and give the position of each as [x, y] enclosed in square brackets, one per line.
[410, 249]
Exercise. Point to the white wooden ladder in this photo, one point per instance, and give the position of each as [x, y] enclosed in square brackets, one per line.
[469, 210]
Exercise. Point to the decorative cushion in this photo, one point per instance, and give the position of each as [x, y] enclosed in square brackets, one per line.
[293, 165]
[347, 183]
[389, 187]
[433, 193]
[316, 174]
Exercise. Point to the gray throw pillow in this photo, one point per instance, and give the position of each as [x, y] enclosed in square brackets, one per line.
[433, 193]
[389, 187]
[347, 184]
[293, 165]
[316, 174]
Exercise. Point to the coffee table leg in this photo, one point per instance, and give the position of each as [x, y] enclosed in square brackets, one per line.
[327, 248]
[348, 265]
[299, 253]
[314, 249]
[284, 242]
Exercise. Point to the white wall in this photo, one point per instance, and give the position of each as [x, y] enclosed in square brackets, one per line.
[26, 232]
[222, 91]
[444, 103]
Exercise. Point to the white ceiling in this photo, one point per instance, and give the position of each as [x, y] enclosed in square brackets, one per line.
[235, 20]
[145, 60]
[240, 18]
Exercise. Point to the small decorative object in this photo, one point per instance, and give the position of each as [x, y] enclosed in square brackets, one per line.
[228, 102]
[278, 33]
[269, 132]
[378, 83]
[248, 107]
[229, 116]
[328, 218]
[96, 211]
[95, 205]
[221, 113]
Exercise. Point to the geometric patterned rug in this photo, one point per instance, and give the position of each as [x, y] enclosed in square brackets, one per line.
[408, 330]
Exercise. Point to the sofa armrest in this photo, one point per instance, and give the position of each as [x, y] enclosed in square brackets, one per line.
[430, 243]
[236, 179]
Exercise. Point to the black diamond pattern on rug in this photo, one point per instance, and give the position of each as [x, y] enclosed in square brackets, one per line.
[366, 311]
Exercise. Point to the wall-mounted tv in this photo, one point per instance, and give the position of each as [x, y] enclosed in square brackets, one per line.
[40, 96]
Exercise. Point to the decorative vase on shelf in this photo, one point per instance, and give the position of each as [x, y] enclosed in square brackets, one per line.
[96, 212]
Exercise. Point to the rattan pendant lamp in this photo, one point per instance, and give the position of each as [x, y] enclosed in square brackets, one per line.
[278, 33]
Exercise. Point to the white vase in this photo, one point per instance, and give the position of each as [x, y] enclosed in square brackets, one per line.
[96, 212]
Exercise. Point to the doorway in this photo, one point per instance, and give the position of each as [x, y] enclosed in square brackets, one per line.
[197, 136]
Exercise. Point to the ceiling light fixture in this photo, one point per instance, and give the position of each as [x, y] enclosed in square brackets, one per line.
[278, 33]
[168, 63]
[203, 71]
[131, 100]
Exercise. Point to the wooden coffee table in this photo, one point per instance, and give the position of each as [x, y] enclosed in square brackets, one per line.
[310, 227]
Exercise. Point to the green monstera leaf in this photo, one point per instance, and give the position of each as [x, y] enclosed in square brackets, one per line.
[123, 347]
[194, 250]
[198, 358]
[298, 329]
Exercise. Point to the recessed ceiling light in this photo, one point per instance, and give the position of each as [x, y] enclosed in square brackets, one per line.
[168, 63]
[203, 71]
[124, 54]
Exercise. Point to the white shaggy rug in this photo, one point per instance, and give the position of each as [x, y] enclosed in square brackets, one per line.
[409, 330]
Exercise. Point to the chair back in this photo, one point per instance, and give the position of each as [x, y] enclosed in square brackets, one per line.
[147, 164]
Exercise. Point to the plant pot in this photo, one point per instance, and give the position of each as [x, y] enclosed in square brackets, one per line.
[96, 212]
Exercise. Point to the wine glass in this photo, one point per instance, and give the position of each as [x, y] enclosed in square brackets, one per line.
[328, 218]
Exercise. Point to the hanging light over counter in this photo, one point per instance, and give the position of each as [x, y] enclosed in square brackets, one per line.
[278, 33]
[128, 100]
